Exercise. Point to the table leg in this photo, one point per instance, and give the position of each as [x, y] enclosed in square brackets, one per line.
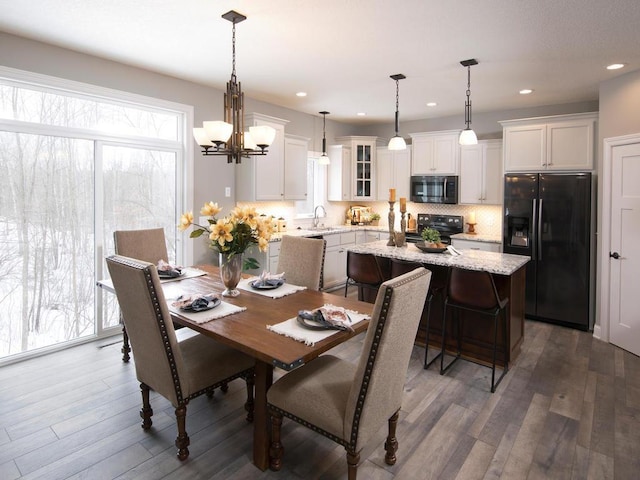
[264, 379]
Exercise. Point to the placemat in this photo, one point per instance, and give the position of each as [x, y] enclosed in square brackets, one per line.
[282, 291]
[187, 272]
[220, 311]
[290, 328]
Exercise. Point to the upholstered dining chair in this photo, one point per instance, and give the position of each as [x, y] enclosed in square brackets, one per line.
[364, 272]
[475, 291]
[177, 370]
[302, 261]
[347, 402]
[148, 245]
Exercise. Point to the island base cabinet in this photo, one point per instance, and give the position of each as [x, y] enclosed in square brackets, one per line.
[477, 329]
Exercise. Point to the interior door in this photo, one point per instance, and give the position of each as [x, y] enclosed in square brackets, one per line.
[624, 302]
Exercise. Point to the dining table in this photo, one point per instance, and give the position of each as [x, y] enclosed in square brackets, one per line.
[247, 330]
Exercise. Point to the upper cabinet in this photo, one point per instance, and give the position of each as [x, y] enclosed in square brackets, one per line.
[352, 172]
[565, 142]
[481, 173]
[393, 171]
[296, 153]
[435, 153]
[261, 177]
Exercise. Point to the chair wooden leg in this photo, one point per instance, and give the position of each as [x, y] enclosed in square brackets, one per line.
[391, 445]
[353, 459]
[250, 404]
[182, 440]
[146, 411]
[275, 449]
[126, 348]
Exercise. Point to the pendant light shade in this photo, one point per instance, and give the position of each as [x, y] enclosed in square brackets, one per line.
[397, 142]
[468, 136]
[324, 158]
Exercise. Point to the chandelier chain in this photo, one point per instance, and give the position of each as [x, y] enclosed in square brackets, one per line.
[233, 51]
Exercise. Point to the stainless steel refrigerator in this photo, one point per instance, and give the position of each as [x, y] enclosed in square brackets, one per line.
[548, 217]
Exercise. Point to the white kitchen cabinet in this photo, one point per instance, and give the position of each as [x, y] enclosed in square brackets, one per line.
[261, 177]
[481, 173]
[393, 171]
[352, 174]
[296, 153]
[435, 153]
[268, 260]
[563, 143]
[475, 245]
[339, 173]
[335, 258]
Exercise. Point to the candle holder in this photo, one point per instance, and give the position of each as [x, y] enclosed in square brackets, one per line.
[403, 226]
[392, 221]
[472, 229]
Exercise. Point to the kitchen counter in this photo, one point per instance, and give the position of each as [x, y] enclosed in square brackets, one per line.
[492, 262]
[319, 231]
[509, 274]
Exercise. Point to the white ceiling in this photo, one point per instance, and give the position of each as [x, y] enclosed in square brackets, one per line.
[342, 52]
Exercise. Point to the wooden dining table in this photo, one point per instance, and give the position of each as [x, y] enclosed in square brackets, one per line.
[247, 331]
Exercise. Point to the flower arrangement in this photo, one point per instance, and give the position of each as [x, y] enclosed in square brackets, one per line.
[233, 234]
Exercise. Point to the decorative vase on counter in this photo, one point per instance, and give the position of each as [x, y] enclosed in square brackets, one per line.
[230, 273]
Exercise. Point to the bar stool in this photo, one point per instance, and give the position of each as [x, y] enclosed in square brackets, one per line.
[475, 291]
[364, 272]
[400, 267]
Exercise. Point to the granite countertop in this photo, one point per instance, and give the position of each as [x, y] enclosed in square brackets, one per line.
[493, 262]
[479, 237]
[329, 230]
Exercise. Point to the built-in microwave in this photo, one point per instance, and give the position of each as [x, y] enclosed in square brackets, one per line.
[434, 189]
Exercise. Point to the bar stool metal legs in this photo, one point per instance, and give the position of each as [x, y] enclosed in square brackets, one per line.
[427, 362]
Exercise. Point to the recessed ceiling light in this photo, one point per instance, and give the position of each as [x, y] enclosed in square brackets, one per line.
[431, 104]
[301, 94]
[361, 114]
[615, 66]
[525, 91]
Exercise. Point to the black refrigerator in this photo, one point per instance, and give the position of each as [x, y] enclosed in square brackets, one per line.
[548, 217]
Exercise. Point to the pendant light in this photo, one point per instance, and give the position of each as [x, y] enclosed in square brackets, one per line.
[468, 136]
[397, 142]
[324, 158]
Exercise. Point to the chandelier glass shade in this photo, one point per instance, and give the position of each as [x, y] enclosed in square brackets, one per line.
[397, 142]
[228, 137]
[468, 136]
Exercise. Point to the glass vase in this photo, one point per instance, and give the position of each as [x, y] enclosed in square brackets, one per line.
[230, 273]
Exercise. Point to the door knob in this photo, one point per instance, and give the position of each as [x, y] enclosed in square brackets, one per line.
[615, 255]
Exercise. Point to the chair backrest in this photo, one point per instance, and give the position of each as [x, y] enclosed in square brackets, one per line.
[474, 289]
[363, 268]
[148, 322]
[400, 267]
[302, 261]
[147, 245]
[384, 361]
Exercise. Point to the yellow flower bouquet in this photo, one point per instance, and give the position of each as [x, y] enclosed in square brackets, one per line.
[233, 234]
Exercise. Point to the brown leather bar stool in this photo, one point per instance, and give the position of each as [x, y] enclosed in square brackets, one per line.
[475, 291]
[400, 267]
[364, 272]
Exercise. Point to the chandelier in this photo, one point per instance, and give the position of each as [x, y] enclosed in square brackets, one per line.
[228, 137]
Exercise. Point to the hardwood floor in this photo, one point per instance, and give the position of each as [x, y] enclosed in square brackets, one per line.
[569, 408]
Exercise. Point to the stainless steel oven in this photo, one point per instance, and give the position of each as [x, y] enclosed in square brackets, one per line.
[434, 189]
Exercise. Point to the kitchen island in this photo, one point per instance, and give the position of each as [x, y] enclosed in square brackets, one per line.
[477, 335]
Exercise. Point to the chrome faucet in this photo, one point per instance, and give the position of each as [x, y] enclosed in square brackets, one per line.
[316, 220]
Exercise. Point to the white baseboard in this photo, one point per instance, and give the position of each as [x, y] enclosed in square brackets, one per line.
[596, 332]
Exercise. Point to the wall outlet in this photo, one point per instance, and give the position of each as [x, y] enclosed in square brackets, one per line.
[227, 192]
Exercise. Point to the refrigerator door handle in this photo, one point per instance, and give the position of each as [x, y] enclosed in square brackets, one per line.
[539, 243]
[534, 231]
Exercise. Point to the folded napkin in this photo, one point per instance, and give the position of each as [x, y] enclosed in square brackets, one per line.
[222, 310]
[292, 329]
[326, 317]
[167, 270]
[267, 278]
[197, 301]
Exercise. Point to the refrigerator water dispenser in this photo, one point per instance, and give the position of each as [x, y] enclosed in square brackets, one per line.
[518, 231]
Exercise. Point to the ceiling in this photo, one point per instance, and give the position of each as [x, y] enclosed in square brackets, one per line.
[342, 52]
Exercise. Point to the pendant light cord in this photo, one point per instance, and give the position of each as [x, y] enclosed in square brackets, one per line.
[397, 105]
[468, 105]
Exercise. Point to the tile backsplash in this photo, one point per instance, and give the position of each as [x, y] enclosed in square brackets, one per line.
[488, 217]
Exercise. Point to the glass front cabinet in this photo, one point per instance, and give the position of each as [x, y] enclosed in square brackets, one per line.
[362, 166]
